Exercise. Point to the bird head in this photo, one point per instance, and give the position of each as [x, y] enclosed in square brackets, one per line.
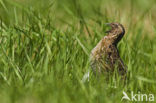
[117, 32]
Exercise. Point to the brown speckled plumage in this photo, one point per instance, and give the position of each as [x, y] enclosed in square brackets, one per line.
[105, 56]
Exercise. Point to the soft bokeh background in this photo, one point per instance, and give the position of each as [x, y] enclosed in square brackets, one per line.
[45, 46]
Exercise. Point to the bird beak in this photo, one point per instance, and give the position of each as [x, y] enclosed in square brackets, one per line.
[108, 24]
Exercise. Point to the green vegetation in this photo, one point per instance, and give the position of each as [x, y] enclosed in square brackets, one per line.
[45, 46]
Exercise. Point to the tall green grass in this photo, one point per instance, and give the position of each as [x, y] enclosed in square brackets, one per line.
[45, 47]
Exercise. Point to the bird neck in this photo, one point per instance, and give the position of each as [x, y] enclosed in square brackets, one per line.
[115, 37]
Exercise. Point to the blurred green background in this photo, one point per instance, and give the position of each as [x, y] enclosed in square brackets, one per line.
[45, 47]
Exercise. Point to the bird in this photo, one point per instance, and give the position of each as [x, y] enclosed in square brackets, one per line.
[104, 57]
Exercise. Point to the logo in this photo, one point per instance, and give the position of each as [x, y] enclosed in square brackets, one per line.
[138, 97]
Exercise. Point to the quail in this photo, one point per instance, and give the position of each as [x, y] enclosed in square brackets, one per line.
[105, 56]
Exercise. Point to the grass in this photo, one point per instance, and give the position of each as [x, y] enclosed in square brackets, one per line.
[45, 47]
